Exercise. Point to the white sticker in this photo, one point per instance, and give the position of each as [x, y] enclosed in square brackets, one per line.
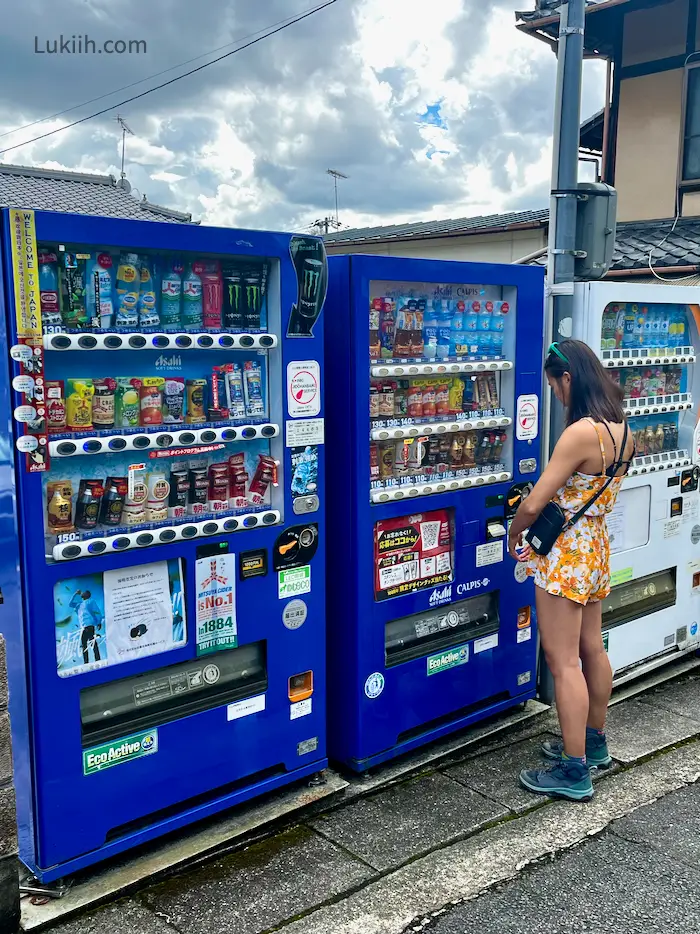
[300, 709]
[245, 707]
[294, 614]
[672, 527]
[303, 389]
[486, 643]
[491, 553]
[25, 413]
[526, 417]
[305, 431]
[21, 353]
[524, 635]
[27, 444]
[520, 572]
[374, 685]
[524, 678]
[23, 384]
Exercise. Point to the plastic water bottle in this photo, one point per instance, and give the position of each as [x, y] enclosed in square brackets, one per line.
[48, 290]
[485, 315]
[192, 300]
[444, 331]
[471, 318]
[628, 326]
[457, 332]
[649, 315]
[638, 332]
[664, 327]
[682, 329]
[170, 297]
[655, 315]
[430, 332]
[497, 326]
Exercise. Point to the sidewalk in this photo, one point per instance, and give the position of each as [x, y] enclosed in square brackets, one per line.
[397, 859]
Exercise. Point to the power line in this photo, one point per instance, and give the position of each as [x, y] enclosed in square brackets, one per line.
[133, 84]
[165, 84]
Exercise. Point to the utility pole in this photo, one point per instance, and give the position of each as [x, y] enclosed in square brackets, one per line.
[564, 199]
[125, 129]
[336, 175]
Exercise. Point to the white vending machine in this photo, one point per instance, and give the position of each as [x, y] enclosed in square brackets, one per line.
[646, 336]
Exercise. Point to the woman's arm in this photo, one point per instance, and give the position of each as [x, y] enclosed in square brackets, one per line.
[572, 450]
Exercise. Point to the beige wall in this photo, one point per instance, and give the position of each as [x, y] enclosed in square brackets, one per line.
[648, 140]
[659, 32]
[491, 248]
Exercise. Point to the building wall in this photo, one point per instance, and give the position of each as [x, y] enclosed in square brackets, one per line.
[648, 141]
[492, 248]
[655, 33]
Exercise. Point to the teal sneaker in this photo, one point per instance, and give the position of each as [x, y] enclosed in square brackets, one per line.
[597, 755]
[564, 779]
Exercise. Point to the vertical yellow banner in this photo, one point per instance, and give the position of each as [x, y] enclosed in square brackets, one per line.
[25, 266]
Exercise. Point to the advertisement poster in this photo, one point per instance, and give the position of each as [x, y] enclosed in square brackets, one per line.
[216, 604]
[412, 553]
[114, 617]
[304, 470]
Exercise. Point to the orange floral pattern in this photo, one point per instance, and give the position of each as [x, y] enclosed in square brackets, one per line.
[578, 566]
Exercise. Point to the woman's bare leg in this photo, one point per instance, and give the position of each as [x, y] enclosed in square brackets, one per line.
[559, 621]
[596, 665]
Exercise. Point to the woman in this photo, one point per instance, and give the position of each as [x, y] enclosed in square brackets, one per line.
[574, 577]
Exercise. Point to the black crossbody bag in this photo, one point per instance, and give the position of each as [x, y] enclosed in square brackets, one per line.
[552, 521]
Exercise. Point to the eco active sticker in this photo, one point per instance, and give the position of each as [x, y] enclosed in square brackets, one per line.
[217, 628]
[293, 582]
[451, 658]
[120, 750]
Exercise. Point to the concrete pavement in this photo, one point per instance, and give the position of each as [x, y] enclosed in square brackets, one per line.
[459, 840]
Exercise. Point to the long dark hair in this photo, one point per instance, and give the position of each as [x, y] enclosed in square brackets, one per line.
[593, 392]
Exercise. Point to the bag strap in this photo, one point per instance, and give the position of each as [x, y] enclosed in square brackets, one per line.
[616, 466]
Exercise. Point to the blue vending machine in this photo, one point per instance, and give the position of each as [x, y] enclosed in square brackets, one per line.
[162, 525]
[433, 424]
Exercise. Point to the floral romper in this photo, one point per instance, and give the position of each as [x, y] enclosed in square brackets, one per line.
[578, 566]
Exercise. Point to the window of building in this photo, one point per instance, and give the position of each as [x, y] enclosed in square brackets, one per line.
[691, 148]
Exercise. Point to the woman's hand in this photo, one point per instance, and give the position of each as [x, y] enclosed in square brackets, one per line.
[518, 548]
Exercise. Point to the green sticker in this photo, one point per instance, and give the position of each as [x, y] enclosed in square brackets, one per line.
[606, 640]
[293, 582]
[448, 659]
[621, 577]
[120, 750]
[215, 634]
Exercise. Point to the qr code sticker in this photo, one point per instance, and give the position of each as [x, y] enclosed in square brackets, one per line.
[430, 535]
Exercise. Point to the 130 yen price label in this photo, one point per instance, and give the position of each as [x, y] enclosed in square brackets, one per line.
[293, 582]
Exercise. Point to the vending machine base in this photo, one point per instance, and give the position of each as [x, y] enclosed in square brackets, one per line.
[427, 733]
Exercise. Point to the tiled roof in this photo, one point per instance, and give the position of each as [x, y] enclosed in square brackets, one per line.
[443, 228]
[78, 193]
[636, 239]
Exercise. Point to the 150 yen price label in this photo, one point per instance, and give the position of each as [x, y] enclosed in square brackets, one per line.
[293, 582]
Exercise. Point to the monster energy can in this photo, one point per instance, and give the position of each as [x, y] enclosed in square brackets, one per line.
[232, 311]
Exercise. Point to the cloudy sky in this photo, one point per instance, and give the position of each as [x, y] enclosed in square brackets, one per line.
[433, 109]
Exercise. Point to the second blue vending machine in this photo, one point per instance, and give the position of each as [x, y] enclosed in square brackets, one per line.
[433, 440]
[163, 559]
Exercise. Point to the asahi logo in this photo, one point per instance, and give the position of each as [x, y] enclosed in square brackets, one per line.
[441, 595]
[173, 362]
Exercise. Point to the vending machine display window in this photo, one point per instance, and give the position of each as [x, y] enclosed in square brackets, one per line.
[450, 626]
[185, 443]
[440, 410]
[413, 553]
